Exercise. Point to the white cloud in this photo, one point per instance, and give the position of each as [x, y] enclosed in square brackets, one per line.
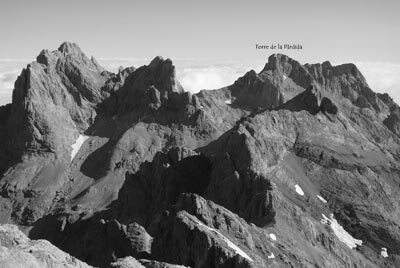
[382, 77]
[194, 79]
[7, 80]
[9, 71]
[112, 64]
[193, 74]
[5, 60]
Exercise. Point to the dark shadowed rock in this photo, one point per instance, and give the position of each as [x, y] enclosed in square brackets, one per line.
[184, 239]
[327, 106]
[311, 100]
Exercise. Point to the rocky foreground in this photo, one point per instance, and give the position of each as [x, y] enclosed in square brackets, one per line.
[295, 166]
[17, 250]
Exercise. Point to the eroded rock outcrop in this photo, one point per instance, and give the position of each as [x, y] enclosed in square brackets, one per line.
[17, 250]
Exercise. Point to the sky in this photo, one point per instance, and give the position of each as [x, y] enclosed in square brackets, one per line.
[211, 42]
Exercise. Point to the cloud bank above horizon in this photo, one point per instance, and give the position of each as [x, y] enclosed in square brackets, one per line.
[195, 75]
[382, 77]
[9, 71]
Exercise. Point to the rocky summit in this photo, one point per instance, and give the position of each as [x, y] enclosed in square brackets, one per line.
[294, 166]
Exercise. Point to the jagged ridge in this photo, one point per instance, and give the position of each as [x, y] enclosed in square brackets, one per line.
[204, 180]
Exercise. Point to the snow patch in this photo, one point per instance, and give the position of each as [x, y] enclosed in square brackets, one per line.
[236, 248]
[322, 199]
[284, 77]
[229, 242]
[272, 236]
[77, 145]
[384, 253]
[271, 256]
[340, 232]
[228, 101]
[299, 190]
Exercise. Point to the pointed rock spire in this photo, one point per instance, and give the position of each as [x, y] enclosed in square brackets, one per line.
[57, 93]
[69, 48]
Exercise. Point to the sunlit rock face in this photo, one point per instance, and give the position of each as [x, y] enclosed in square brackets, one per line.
[294, 166]
[17, 250]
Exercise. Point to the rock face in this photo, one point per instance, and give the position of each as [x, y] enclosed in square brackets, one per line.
[17, 250]
[295, 166]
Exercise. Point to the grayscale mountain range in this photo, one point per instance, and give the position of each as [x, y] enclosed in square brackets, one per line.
[294, 166]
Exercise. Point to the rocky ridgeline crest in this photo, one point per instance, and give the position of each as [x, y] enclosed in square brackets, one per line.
[294, 166]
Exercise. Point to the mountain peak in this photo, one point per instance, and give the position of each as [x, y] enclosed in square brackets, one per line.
[280, 62]
[156, 61]
[69, 48]
[165, 65]
[165, 73]
[72, 50]
[349, 68]
[64, 83]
